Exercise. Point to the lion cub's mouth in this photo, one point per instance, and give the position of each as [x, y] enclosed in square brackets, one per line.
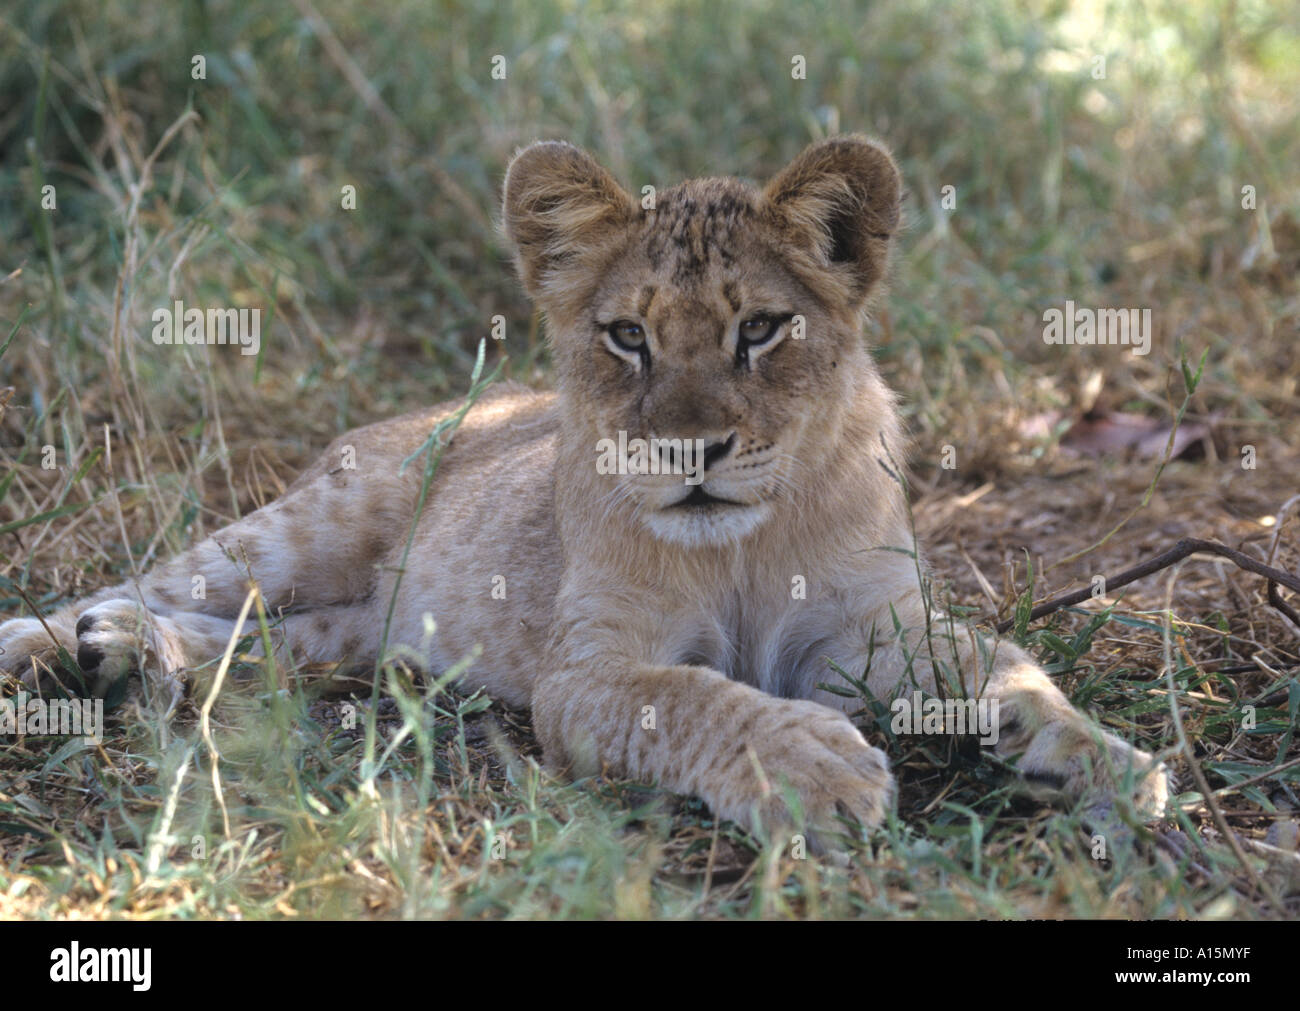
[701, 499]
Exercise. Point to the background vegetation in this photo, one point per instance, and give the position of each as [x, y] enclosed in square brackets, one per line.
[1123, 190]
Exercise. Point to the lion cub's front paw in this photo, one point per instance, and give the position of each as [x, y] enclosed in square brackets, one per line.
[1084, 762]
[1152, 782]
[831, 768]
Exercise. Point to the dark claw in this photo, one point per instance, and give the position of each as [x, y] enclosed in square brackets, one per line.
[84, 624]
[88, 657]
[1047, 778]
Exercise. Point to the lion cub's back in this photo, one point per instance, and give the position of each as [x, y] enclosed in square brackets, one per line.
[508, 414]
[486, 559]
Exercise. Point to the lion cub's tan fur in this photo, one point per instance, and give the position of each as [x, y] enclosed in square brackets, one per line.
[682, 644]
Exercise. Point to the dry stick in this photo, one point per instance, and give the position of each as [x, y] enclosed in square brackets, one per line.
[36, 611]
[159, 840]
[117, 501]
[1274, 597]
[1257, 779]
[1271, 851]
[1245, 668]
[54, 639]
[1186, 546]
[1185, 746]
[708, 868]
[205, 714]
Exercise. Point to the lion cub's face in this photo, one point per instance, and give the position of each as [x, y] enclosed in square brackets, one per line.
[709, 345]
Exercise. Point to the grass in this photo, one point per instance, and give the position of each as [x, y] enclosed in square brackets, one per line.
[1124, 190]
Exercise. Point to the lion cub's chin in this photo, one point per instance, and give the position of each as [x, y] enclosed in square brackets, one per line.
[706, 526]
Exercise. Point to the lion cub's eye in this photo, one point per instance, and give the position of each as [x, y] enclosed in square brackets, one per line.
[627, 335]
[758, 330]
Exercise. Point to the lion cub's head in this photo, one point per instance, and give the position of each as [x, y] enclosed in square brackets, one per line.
[707, 336]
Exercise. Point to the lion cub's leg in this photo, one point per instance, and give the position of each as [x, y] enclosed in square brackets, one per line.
[317, 548]
[110, 636]
[692, 730]
[1054, 744]
[319, 545]
[118, 636]
[1059, 747]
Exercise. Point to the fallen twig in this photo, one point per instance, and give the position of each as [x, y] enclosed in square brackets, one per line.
[1186, 546]
[1258, 779]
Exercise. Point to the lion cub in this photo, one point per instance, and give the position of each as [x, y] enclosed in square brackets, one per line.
[662, 558]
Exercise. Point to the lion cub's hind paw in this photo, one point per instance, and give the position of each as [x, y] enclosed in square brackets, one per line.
[110, 642]
[116, 638]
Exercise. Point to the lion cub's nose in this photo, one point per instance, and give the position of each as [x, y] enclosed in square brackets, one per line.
[670, 450]
[716, 450]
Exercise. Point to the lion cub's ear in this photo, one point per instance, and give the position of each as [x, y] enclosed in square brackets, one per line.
[840, 200]
[561, 208]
